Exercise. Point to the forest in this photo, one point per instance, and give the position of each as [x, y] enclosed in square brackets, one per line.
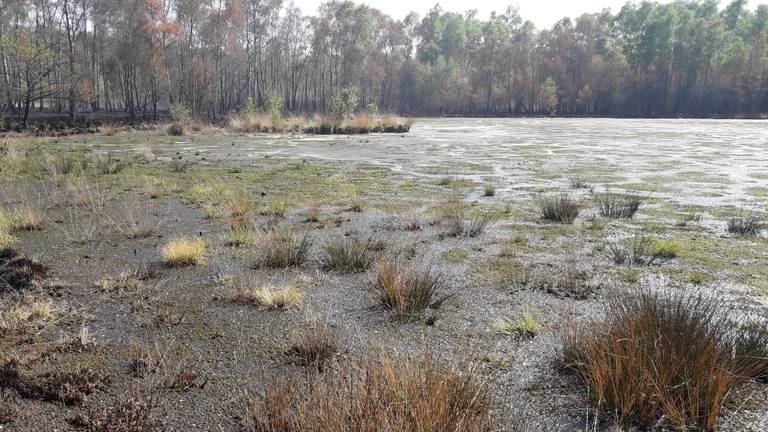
[140, 57]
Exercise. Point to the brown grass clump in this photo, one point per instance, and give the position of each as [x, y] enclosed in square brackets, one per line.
[315, 346]
[136, 411]
[69, 388]
[198, 126]
[407, 288]
[665, 359]
[249, 123]
[108, 129]
[381, 395]
[184, 251]
[23, 218]
[28, 313]
[18, 272]
[176, 129]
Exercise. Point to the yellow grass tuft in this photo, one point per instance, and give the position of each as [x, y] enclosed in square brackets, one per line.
[270, 297]
[184, 251]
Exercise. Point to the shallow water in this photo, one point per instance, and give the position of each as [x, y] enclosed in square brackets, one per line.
[692, 162]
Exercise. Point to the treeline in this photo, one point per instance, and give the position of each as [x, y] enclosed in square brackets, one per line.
[142, 56]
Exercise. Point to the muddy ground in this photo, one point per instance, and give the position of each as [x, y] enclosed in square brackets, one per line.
[95, 227]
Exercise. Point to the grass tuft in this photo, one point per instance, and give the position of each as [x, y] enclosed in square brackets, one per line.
[184, 251]
[746, 224]
[664, 360]
[616, 205]
[380, 394]
[278, 250]
[561, 208]
[348, 254]
[270, 297]
[408, 289]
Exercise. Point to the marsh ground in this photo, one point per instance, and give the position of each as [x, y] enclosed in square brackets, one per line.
[102, 235]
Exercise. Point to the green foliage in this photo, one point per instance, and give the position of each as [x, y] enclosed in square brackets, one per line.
[179, 113]
[344, 103]
[273, 104]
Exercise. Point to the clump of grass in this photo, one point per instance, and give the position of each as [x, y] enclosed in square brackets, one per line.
[29, 312]
[176, 129]
[578, 183]
[121, 283]
[18, 273]
[277, 250]
[107, 164]
[664, 359]
[642, 251]
[526, 327]
[239, 237]
[23, 218]
[269, 297]
[561, 208]
[184, 251]
[249, 123]
[313, 212]
[745, 223]
[381, 394]
[315, 346]
[489, 190]
[348, 254]
[69, 388]
[137, 411]
[456, 222]
[408, 289]
[570, 281]
[239, 210]
[666, 249]
[107, 129]
[617, 205]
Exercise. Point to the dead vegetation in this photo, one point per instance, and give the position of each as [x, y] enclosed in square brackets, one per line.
[379, 395]
[69, 388]
[136, 411]
[18, 272]
[314, 346]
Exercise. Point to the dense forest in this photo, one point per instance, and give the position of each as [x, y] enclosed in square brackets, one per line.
[139, 57]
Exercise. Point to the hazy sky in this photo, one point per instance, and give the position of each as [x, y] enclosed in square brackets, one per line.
[543, 13]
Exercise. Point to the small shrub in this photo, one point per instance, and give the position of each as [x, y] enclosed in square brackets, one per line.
[269, 297]
[664, 360]
[616, 205]
[279, 250]
[408, 289]
[380, 394]
[349, 254]
[184, 251]
[176, 129]
[745, 224]
[314, 347]
[136, 411]
[559, 208]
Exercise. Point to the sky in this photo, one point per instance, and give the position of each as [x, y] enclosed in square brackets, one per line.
[543, 13]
